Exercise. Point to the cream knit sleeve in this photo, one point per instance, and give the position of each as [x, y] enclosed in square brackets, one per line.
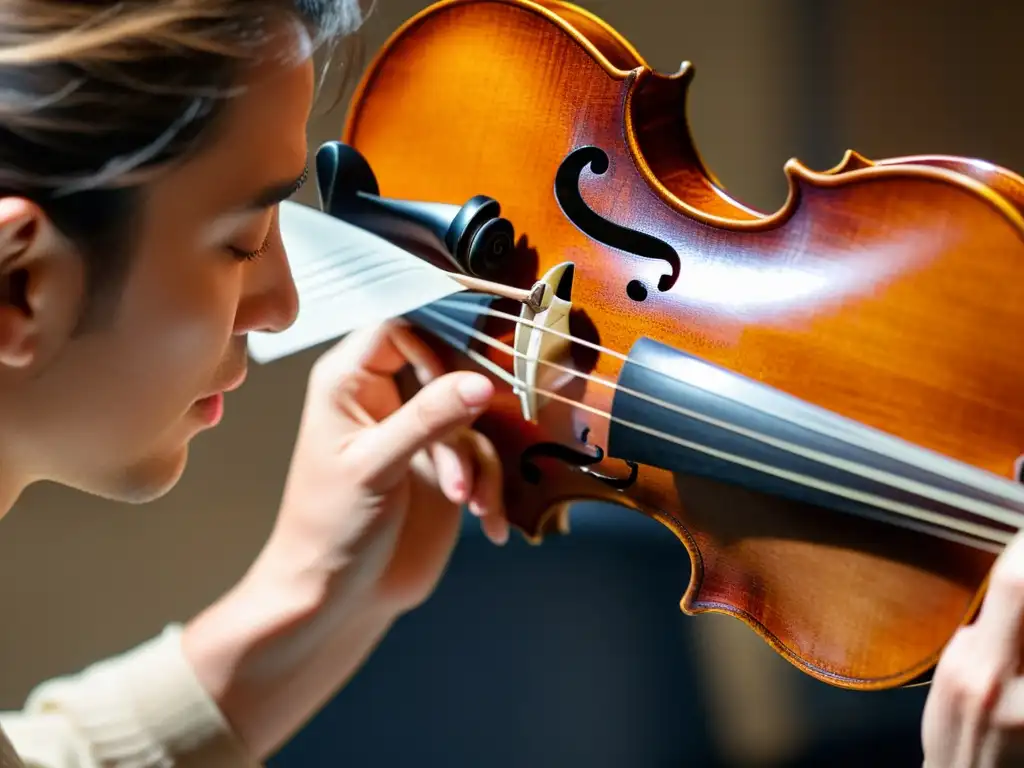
[142, 709]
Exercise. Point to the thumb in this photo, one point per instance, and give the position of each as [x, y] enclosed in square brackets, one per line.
[446, 404]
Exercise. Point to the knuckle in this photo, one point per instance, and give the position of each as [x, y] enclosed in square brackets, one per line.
[969, 679]
[355, 465]
[974, 691]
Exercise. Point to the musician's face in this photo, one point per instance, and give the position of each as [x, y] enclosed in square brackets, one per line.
[112, 411]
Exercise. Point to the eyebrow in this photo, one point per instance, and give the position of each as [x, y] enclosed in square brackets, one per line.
[278, 192]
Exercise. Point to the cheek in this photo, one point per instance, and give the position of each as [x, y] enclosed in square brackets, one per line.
[178, 328]
[124, 391]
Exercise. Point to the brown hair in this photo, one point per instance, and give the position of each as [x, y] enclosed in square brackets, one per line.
[97, 94]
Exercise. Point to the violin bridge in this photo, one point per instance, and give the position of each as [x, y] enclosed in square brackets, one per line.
[534, 345]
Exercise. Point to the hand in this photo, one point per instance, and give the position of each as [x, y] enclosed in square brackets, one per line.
[974, 715]
[373, 497]
[368, 520]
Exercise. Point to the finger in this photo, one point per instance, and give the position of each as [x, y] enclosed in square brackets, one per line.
[424, 362]
[382, 350]
[1002, 611]
[1009, 709]
[441, 408]
[453, 469]
[953, 710]
[990, 752]
[938, 722]
[487, 500]
[350, 405]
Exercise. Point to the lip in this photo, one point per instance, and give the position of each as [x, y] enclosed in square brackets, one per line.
[211, 407]
[233, 384]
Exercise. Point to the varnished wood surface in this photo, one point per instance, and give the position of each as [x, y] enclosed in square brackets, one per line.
[888, 291]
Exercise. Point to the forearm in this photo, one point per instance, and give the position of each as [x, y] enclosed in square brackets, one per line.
[270, 653]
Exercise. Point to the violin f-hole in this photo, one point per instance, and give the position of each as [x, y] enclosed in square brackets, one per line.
[592, 224]
[584, 461]
[618, 483]
[532, 473]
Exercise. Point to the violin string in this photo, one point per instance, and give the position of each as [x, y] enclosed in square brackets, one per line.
[950, 528]
[940, 519]
[978, 507]
[981, 481]
[972, 505]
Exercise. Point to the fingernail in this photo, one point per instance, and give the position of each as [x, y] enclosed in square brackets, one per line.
[475, 390]
[458, 492]
[501, 537]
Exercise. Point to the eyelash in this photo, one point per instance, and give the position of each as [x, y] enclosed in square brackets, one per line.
[241, 255]
[253, 255]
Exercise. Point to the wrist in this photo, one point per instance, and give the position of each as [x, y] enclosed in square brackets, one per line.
[263, 642]
[227, 641]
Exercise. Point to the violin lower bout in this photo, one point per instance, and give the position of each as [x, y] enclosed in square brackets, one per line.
[853, 602]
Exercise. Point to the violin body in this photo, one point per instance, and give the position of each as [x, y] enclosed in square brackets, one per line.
[888, 292]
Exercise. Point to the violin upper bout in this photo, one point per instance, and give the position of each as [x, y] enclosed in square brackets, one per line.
[662, 146]
[939, 191]
[851, 161]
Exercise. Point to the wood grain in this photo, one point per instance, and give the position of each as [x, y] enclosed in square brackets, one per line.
[888, 291]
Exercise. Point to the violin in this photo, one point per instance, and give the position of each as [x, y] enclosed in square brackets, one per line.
[824, 403]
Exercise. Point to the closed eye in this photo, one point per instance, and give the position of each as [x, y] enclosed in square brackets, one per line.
[274, 195]
[244, 255]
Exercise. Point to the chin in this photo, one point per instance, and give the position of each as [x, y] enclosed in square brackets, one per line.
[146, 480]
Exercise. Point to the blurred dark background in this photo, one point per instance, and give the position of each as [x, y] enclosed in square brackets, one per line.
[574, 652]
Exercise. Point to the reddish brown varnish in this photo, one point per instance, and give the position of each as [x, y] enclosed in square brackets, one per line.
[891, 292]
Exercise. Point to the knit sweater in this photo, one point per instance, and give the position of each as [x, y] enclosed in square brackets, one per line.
[143, 709]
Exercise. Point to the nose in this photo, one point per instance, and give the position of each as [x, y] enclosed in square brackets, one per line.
[270, 300]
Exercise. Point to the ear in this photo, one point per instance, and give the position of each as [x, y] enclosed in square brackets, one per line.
[41, 285]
